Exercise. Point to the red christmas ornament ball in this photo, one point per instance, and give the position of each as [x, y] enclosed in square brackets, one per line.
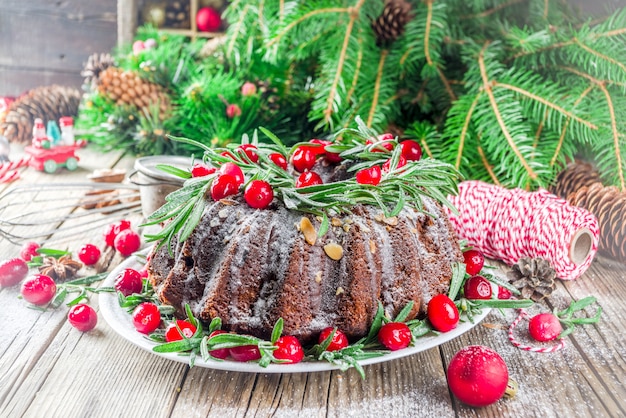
[478, 376]
[208, 19]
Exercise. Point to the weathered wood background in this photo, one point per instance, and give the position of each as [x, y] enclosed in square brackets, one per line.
[44, 42]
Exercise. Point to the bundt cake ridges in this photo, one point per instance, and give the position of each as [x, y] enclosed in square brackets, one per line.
[251, 267]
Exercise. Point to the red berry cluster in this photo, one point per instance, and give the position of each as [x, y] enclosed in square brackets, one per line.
[409, 151]
[122, 237]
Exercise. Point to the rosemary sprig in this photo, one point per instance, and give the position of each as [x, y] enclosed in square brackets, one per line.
[407, 186]
[567, 318]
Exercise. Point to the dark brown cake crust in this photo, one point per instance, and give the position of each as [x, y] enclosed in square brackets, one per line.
[251, 267]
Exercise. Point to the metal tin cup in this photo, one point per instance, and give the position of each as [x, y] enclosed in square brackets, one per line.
[155, 184]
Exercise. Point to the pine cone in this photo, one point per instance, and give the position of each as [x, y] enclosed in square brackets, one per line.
[390, 24]
[575, 176]
[96, 64]
[534, 277]
[47, 103]
[127, 88]
[608, 204]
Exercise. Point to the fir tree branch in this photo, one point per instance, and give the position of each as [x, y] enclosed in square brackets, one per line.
[488, 89]
[540, 129]
[616, 142]
[354, 14]
[546, 9]
[429, 60]
[357, 72]
[426, 147]
[545, 102]
[306, 16]
[488, 166]
[236, 31]
[466, 125]
[446, 84]
[429, 18]
[557, 151]
[615, 132]
[493, 10]
[379, 76]
[599, 55]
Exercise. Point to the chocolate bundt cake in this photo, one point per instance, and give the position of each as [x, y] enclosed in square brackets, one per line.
[250, 267]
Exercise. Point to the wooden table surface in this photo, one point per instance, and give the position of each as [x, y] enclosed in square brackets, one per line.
[48, 368]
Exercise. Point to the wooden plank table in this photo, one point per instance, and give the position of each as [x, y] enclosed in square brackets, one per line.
[47, 368]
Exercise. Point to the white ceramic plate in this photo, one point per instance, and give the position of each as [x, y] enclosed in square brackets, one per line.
[121, 322]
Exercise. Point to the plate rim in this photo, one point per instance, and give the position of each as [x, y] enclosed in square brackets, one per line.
[121, 322]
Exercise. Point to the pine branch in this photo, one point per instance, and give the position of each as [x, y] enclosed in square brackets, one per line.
[354, 14]
[379, 76]
[494, 104]
[614, 130]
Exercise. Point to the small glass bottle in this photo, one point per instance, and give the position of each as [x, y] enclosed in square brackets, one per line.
[67, 130]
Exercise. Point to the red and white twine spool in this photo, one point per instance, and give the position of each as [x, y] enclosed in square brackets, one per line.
[551, 349]
[508, 224]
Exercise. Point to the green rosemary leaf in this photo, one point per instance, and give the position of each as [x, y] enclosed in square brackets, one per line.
[274, 139]
[402, 315]
[419, 327]
[175, 171]
[376, 324]
[501, 283]
[88, 280]
[59, 298]
[204, 351]
[78, 299]
[190, 142]
[50, 252]
[277, 331]
[176, 346]
[231, 340]
[458, 276]
[324, 226]
[399, 206]
[193, 219]
[502, 303]
[192, 319]
[216, 323]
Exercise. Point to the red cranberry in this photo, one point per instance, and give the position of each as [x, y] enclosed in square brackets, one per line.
[39, 289]
[82, 317]
[279, 160]
[258, 194]
[411, 150]
[395, 335]
[442, 313]
[29, 250]
[89, 254]
[338, 342]
[474, 261]
[201, 170]
[289, 349]
[146, 317]
[370, 175]
[220, 353]
[477, 287]
[128, 281]
[303, 159]
[245, 353]
[308, 178]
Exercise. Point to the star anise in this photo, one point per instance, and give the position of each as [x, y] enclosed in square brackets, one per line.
[60, 269]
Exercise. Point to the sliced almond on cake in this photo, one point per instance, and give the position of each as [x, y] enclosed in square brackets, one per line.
[334, 251]
[308, 230]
